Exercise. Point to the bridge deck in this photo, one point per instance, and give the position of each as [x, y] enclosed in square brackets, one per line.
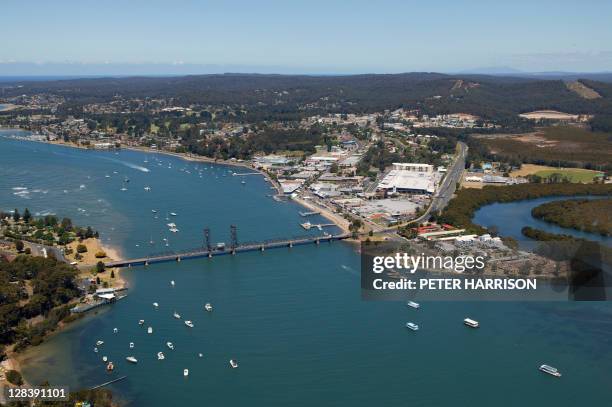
[203, 252]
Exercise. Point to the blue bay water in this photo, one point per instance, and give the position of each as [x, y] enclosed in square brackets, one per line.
[293, 319]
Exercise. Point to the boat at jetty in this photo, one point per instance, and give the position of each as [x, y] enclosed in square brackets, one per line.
[471, 323]
[550, 370]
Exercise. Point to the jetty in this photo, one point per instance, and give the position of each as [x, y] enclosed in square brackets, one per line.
[109, 382]
[305, 214]
[234, 248]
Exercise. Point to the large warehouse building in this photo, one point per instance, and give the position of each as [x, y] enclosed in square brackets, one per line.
[409, 178]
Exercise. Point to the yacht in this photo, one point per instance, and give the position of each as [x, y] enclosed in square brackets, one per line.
[412, 325]
[243, 182]
[160, 356]
[471, 323]
[172, 214]
[107, 176]
[153, 210]
[233, 363]
[131, 345]
[170, 345]
[141, 322]
[149, 330]
[131, 359]
[185, 372]
[155, 304]
[208, 307]
[189, 324]
[99, 343]
[550, 370]
[177, 315]
[104, 359]
[413, 304]
[115, 330]
[147, 188]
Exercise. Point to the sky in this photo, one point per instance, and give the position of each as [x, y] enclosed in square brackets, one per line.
[310, 36]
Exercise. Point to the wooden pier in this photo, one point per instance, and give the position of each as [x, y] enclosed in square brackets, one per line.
[242, 248]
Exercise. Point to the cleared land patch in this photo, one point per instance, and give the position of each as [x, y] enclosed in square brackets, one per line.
[582, 90]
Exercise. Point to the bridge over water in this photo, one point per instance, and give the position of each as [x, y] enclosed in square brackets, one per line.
[208, 251]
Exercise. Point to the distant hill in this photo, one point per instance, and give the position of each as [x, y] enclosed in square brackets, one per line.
[483, 95]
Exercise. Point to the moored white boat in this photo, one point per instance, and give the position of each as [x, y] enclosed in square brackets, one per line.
[170, 345]
[150, 330]
[141, 322]
[160, 356]
[550, 370]
[412, 325]
[413, 304]
[233, 364]
[131, 345]
[131, 359]
[208, 307]
[99, 343]
[177, 315]
[155, 304]
[471, 323]
[189, 324]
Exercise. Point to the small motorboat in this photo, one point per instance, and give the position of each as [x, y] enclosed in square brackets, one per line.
[131, 359]
[99, 343]
[110, 366]
[200, 355]
[96, 350]
[553, 371]
[160, 356]
[115, 330]
[141, 322]
[185, 372]
[471, 323]
[172, 214]
[177, 315]
[147, 188]
[208, 307]
[189, 324]
[171, 281]
[155, 304]
[131, 345]
[149, 330]
[412, 325]
[170, 345]
[104, 359]
[413, 304]
[233, 364]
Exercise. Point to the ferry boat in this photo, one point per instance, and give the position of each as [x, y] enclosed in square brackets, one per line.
[99, 343]
[208, 307]
[550, 370]
[131, 345]
[177, 315]
[185, 372]
[150, 330]
[189, 324]
[471, 323]
[413, 304]
[412, 325]
[110, 366]
[131, 359]
[170, 345]
[160, 356]
[233, 364]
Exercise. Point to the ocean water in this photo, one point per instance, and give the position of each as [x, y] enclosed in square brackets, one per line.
[293, 319]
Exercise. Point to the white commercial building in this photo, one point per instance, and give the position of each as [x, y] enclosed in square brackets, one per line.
[410, 178]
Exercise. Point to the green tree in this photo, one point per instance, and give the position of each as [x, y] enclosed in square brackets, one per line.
[100, 267]
[16, 215]
[19, 245]
[27, 215]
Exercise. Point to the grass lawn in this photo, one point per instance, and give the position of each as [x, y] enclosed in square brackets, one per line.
[574, 174]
